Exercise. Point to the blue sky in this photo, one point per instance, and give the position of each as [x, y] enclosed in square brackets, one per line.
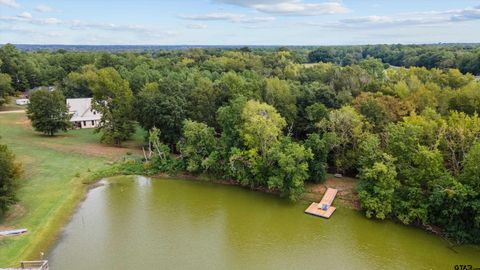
[238, 22]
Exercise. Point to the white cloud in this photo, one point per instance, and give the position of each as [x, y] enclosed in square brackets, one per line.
[43, 8]
[230, 17]
[10, 3]
[196, 26]
[54, 34]
[25, 15]
[290, 7]
[432, 18]
[50, 21]
[80, 25]
[16, 29]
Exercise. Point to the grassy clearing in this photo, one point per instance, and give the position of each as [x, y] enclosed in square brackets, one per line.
[11, 105]
[51, 186]
[346, 186]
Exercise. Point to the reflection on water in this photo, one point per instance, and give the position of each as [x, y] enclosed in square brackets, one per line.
[139, 223]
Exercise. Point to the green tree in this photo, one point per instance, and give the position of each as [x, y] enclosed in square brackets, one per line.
[5, 87]
[461, 132]
[260, 130]
[377, 187]
[77, 84]
[348, 128]
[317, 166]
[455, 208]
[231, 85]
[169, 111]
[471, 168]
[467, 99]
[374, 67]
[262, 126]
[9, 173]
[14, 64]
[230, 120]
[48, 112]
[113, 98]
[289, 168]
[158, 154]
[203, 101]
[279, 94]
[198, 147]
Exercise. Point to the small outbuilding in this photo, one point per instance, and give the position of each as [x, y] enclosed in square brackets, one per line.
[22, 101]
[83, 116]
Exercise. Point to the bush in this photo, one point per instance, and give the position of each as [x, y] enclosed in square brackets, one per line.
[9, 174]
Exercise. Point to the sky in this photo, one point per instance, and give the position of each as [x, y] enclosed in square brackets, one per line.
[238, 22]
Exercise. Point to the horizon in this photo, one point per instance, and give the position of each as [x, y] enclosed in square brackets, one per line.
[243, 45]
[234, 22]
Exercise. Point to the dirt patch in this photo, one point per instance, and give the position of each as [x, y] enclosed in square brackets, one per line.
[347, 193]
[97, 150]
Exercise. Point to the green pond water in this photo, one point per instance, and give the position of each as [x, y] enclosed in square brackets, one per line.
[142, 223]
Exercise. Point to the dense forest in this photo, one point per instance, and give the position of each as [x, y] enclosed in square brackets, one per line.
[266, 119]
[464, 57]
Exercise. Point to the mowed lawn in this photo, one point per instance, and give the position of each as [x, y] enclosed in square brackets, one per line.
[51, 185]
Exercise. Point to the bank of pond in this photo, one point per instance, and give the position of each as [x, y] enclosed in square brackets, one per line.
[134, 222]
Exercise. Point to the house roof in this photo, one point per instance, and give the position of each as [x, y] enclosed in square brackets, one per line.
[81, 109]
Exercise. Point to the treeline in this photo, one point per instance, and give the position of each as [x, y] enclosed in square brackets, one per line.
[466, 58]
[266, 121]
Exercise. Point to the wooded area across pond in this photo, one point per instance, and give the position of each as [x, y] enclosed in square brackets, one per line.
[264, 119]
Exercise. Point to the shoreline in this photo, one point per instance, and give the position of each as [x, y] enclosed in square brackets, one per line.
[53, 231]
[47, 236]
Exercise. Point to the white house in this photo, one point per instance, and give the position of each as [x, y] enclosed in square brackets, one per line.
[82, 114]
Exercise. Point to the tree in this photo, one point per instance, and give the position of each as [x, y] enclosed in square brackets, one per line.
[467, 99]
[198, 147]
[348, 127]
[322, 55]
[455, 208]
[262, 126]
[141, 75]
[425, 171]
[229, 118]
[9, 173]
[374, 67]
[317, 166]
[158, 154]
[203, 101]
[471, 168]
[13, 63]
[380, 110]
[5, 87]
[230, 86]
[377, 187]
[169, 111]
[113, 98]
[279, 94]
[461, 132]
[260, 130]
[289, 168]
[77, 84]
[48, 112]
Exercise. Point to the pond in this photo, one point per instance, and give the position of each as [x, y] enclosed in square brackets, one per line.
[142, 223]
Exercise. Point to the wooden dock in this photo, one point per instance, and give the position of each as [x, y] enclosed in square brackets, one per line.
[324, 208]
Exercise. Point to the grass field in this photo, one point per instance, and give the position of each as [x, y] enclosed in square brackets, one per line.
[51, 185]
[11, 106]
